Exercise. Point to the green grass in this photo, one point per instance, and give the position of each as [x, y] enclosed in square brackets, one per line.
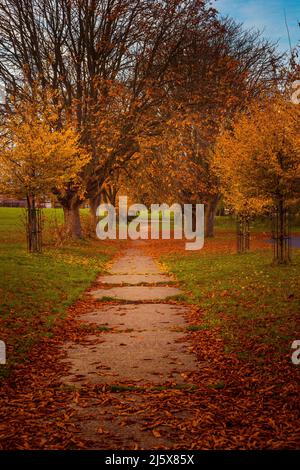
[259, 224]
[35, 290]
[204, 326]
[244, 295]
[90, 328]
[217, 386]
[177, 298]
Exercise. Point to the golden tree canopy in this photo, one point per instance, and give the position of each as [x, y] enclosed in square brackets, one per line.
[36, 155]
[258, 159]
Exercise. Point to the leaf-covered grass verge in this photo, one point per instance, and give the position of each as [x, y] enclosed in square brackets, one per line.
[251, 301]
[36, 289]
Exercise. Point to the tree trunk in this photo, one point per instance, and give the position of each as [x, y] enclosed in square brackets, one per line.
[283, 241]
[33, 228]
[281, 254]
[94, 202]
[72, 218]
[210, 213]
[112, 194]
[31, 225]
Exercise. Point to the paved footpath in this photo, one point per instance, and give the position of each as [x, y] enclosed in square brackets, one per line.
[146, 344]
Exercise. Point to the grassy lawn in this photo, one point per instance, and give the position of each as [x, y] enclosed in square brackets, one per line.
[36, 289]
[243, 318]
[250, 301]
[259, 224]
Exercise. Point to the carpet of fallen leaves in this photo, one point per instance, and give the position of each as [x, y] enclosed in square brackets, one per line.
[233, 404]
[226, 243]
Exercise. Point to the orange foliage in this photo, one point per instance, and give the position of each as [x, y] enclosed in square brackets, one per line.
[258, 158]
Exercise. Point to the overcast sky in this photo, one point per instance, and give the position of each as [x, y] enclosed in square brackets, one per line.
[267, 15]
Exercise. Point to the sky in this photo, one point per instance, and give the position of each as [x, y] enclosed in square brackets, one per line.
[267, 15]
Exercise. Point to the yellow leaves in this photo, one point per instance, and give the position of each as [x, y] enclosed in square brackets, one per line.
[258, 159]
[37, 157]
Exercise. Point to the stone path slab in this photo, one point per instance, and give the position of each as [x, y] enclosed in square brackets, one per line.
[134, 279]
[135, 262]
[136, 293]
[146, 345]
[138, 317]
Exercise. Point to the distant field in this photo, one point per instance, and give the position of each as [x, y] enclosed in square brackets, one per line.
[12, 221]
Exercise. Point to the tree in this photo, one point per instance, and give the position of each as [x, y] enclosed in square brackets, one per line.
[219, 75]
[258, 160]
[88, 49]
[35, 157]
[221, 69]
